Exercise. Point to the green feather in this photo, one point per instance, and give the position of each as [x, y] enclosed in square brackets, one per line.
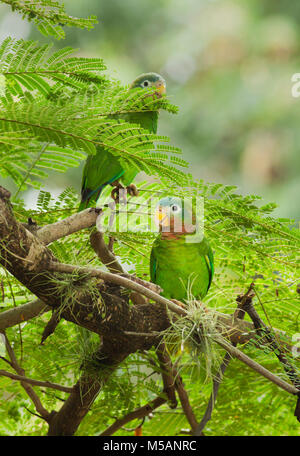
[181, 268]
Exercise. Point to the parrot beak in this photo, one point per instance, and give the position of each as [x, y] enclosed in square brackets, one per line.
[160, 88]
[162, 217]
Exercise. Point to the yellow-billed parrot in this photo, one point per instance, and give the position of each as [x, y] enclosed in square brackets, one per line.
[104, 168]
[181, 268]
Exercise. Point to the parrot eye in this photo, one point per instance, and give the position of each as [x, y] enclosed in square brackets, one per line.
[145, 83]
[174, 208]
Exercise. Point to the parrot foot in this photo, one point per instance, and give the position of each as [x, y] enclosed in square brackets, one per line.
[178, 303]
[119, 193]
[132, 190]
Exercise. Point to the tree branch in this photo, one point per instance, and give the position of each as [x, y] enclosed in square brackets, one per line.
[22, 313]
[141, 412]
[184, 400]
[105, 255]
[257, 367]
[69, 225]
[167, 374]
[239, 313]
[110, 261]
[24, 256]
[263, 331]
[34, 382]
[29, 390]
[50, 326]
[85, 391]
[272, 343]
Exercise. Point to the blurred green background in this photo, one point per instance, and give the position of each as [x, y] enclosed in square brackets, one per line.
[228, 65]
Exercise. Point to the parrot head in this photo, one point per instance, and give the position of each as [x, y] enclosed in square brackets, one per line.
[150, 80]
[174, 215]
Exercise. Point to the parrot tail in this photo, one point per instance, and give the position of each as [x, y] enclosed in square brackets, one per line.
[89, 196]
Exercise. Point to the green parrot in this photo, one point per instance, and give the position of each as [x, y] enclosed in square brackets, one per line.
[104, 168]
[180, 267]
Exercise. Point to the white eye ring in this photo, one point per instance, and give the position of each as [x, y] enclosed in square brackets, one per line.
[174, 208]
[146, 84]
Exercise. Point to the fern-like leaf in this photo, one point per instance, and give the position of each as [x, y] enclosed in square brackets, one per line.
[49, 16]
[26, 65]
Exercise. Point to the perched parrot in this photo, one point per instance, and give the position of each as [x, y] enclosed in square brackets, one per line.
[104, 168]
[181, 268]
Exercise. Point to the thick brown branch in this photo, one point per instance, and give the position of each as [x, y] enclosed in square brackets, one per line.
[22, 313]
[24, 256]
[72, 224]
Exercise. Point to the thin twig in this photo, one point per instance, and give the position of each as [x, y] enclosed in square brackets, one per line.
[15, 306]
[50, 326]
[107, 257]
[32, 413]
[132, 283]
[6, 360]
[136, 414]
[125, 280]
[167, 376]
[29, 390]
[263, 331]
[43, 149]
[233, 351]
[184, 400]
[34, 382]
[239, 313]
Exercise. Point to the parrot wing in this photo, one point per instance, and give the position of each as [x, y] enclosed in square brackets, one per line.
[209, 259]
[100, 170]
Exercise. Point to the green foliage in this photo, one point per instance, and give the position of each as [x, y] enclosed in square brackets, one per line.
[49, 16]
[29, 162]
[27, 66]
[63, 102]
[55, 109]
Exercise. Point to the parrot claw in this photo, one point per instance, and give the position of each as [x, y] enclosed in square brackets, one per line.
[132, 190]
[119, 193]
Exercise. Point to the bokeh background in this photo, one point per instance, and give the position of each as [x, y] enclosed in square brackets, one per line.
[228, 66]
